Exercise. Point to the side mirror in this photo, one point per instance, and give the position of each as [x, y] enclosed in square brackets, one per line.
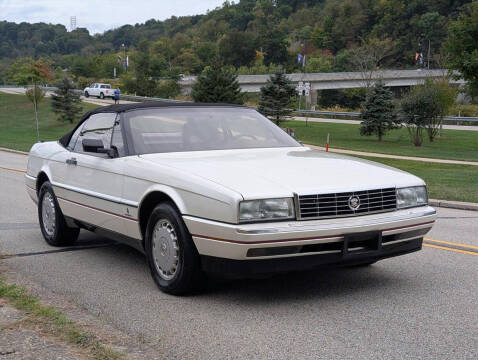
[96, 146]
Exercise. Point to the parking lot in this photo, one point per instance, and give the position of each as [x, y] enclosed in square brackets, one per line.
[423, 305]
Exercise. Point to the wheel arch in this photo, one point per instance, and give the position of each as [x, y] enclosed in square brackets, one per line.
[41, 178]
[150, 200]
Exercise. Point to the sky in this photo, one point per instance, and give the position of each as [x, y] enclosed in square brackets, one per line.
[100, 15]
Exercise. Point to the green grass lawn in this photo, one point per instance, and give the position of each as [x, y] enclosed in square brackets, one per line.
[445, 181]
[455, 144]
[17, 122]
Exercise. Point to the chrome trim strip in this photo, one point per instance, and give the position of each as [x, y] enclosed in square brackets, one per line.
[297, 207]
[97, 195]
[401, 240]
[292, 255]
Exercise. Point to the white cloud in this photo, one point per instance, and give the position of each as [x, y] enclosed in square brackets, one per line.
[100, 15]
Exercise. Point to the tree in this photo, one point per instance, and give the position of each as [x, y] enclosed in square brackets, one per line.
[276, 96]
[26, 71]
[274, 45]
[320, 38]
[462, 46]
[35, 72]
[424, 108]
[317, 63]
[145, 86]
[378, 114]
[444, 97]
[237, 48]
[66, 103]
[217, 84]
[35, 94]
[368, 57]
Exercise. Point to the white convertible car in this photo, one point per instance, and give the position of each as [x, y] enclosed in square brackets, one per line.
[219, 188]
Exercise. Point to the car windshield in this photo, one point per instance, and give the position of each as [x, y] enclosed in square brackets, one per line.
[176, 129]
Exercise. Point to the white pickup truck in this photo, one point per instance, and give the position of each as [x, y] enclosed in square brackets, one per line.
[99, 90]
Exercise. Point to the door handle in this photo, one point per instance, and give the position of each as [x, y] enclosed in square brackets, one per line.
[71, 161]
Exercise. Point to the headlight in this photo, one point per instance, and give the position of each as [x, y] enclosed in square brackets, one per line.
[412, 196]
[268, 209]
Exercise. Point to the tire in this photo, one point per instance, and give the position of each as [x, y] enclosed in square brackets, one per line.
[56, 232]
[102, 96]
[172, 256]
[87, 95]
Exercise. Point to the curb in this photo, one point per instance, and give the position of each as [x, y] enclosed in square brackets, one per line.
[453, 204]
[13, 151]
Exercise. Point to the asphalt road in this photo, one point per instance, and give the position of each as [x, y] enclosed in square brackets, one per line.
[422, 305]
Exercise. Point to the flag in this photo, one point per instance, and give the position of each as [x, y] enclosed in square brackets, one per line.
[299, 58]
[303, 62]
[127, 60]
[416, 56]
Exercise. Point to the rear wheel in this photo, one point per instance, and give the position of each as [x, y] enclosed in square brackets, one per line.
[102, 96]
[172, 256]
[52, 222]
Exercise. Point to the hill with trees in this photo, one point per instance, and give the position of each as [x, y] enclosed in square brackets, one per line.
[253, 36]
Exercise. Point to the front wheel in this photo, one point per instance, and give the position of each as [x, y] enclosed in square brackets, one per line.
[87, 94]
[172, 256]
[52, 223]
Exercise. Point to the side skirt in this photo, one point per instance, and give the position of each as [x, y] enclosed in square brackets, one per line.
[126, 240]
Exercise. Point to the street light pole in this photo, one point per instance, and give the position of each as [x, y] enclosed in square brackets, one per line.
[124, 57]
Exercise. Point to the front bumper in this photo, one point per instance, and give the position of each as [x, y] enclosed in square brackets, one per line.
[399, 231]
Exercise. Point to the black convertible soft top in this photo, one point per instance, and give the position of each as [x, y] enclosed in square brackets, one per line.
[118, 108]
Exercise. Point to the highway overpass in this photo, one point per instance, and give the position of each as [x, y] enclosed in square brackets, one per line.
[341, 80]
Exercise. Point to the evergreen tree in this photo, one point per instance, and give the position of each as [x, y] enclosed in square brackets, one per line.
[66, 103]
[217, 84]
[378, 114]
[276, 96]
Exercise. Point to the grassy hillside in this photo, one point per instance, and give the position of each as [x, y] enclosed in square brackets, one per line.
[326, 30]
[17, 122]
[454, 145]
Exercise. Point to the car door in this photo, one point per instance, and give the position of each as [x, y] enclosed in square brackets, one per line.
[96, 89]
[93, 182]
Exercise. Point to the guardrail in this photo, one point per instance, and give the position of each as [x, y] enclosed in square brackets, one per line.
[357, 115]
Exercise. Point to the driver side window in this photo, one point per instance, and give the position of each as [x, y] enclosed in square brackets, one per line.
[97, 127]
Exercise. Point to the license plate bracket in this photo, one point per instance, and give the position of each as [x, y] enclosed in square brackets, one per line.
[357, 244]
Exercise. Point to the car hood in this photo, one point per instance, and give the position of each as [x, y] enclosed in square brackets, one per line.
[268, 173]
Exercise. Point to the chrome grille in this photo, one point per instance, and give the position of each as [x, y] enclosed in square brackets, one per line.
[337, 204]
